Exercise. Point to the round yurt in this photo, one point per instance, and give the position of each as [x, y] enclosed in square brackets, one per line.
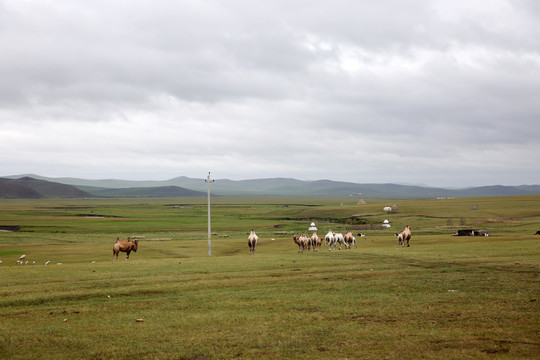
[312, 227]
[386, 224]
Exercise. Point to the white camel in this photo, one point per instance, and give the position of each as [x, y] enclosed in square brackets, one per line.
[329, 240]
[338, 238]
[252, 242]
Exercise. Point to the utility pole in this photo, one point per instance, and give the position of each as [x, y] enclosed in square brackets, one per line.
[209, 222]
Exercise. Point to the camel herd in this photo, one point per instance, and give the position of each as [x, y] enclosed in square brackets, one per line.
[331, 241]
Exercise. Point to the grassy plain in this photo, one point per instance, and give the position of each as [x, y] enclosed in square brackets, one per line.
[444, 297]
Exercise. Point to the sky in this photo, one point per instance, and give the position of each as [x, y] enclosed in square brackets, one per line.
[434, 92]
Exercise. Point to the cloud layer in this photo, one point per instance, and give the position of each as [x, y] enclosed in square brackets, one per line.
[445, 93]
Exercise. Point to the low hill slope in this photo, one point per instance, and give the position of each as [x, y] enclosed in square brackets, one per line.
[11, 190]
[30, 188]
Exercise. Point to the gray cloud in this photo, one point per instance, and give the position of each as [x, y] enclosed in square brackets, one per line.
[438, 92]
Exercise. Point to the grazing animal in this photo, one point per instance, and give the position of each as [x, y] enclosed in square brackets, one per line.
[350, 239]
[537, 233]
[329, 240]
[48, 262]
[363, 235]
[338, 238]
[404, 236]
[125, 246]
[22, 257]
[399, 238]
[306, 241]
[252, 242]
[297, 241]
[302, 241]
[316, 241]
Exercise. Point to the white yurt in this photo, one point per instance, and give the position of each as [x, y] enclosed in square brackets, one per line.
[312, 227]
[385, 224]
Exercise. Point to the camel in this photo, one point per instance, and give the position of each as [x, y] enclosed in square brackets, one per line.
[252, 242]
[405, 235]
[306, 241]
[350, 239]
[125, 246]
[316, 241]
[297, 241]
[329, 240]
[302, 241]
[338, 238]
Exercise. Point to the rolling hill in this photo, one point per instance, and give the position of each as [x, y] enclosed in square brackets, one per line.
[186, 187]
[30, 188]
[27, 187]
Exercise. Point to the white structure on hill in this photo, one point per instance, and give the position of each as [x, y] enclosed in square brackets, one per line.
[312, 227]
[386, 224]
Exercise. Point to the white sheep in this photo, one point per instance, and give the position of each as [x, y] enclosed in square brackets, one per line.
[48, 262]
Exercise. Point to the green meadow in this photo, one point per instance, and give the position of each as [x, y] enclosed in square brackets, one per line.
[444, 297]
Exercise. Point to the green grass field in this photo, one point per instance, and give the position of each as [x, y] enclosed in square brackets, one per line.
[445, 297]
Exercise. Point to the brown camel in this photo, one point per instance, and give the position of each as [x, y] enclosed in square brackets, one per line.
[125, 246]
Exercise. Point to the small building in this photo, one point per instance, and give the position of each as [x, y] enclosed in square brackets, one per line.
[386, 224]
[312, 227]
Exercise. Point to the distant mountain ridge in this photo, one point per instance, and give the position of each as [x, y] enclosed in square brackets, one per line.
[185, 186]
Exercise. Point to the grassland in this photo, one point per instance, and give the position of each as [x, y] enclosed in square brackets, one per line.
[444, 297]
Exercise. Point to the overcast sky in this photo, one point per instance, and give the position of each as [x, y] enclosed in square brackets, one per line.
[444, 93]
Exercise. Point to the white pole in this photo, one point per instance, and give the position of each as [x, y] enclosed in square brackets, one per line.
[209, 222]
